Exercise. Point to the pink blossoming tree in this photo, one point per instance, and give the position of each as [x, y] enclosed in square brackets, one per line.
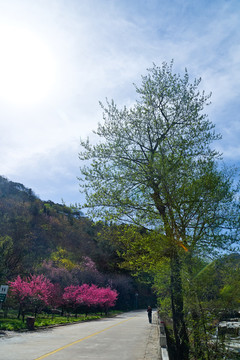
[86, 296]
[33, 293]
[36, 292]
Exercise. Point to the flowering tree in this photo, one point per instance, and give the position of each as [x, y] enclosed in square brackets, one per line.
[55, 299]
[88, 264]
[89, 297]
[36, 292]
[57, 275]
[70, 295]
[79, 296]
[105, 298]
[87, 273]
[33, 293]
[154, 166]
[60, 277]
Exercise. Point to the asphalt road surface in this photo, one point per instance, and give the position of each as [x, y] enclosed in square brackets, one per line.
[124, 337]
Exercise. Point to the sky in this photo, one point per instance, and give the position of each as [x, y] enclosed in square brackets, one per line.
[59, 58]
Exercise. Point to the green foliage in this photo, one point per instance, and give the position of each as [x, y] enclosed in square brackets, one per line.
[43, 321]
[217, 284]
[32, 231]
[162, 288]
[43, 237]
[61, 258]
[12, 324]
[7, 253]
[211, 293]
[58, 320]
[154, 167]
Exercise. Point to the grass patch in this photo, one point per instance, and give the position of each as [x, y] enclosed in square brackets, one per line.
[13, 324]
[59, 320]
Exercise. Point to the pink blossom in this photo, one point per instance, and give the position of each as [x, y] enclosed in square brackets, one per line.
[91, 296]
[34, 288]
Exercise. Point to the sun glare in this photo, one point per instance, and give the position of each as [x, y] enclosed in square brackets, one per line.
[27, 67]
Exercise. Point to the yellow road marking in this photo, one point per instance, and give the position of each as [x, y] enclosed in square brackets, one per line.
[78, 341]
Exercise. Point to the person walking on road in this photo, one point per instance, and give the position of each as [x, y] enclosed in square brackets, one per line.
[149, 311]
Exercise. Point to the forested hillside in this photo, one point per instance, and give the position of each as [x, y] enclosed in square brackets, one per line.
[43, 237]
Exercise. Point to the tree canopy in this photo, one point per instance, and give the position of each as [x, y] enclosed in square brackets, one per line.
[155, 167]
[154, 164]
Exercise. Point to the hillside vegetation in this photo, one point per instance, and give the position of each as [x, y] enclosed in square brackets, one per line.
[42, 237]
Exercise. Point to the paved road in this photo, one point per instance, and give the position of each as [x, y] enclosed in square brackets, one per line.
[128, 336]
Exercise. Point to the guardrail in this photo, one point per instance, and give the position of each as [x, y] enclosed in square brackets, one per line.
[163, 340]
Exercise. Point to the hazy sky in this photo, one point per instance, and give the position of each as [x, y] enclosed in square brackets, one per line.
[60, 57]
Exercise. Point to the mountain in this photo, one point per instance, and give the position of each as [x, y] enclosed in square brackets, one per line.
[32, 230]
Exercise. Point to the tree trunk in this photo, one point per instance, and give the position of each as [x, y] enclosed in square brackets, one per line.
[197, 336]
[20, 311]
[200, 341]
[179, 326]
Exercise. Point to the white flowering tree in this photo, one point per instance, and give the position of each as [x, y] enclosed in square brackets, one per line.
[154, 166]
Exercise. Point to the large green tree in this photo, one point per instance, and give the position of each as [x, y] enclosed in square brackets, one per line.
[154, 166]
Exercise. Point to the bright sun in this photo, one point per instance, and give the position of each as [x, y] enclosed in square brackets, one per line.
[27, 67]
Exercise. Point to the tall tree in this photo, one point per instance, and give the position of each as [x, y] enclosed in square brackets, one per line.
[154, 166]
